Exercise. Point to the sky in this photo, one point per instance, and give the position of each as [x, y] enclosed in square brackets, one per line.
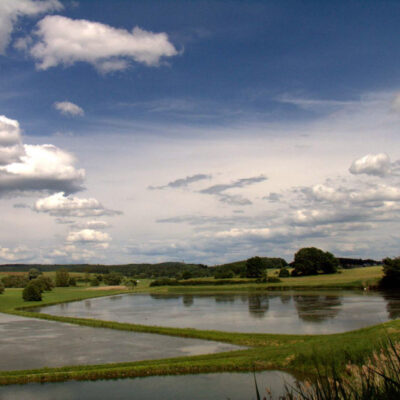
[206, 132]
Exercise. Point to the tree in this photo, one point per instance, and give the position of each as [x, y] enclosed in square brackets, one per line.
[94, 282]
[45, 283]
[62, 278]
[32, 292]
[311, 261]
[1, 288]
[72, 281]
[391, 273]
[33, 273]
[254, 267]
[112, 279]
[284, 273]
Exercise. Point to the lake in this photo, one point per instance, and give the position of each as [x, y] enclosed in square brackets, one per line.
[221, 386]
[289, 312]
[27, 343]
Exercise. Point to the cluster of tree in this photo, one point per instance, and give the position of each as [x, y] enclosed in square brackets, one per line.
[312, 261]
[15, 281]
[36, 286]
[391, 273]
[239, 268]
[348, 263]
[166, 269]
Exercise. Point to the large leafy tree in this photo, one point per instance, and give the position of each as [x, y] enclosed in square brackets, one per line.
[311, 261]
[391, 273]
[254, 267]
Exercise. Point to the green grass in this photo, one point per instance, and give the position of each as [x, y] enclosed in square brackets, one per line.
[295, 353]
[357, 278]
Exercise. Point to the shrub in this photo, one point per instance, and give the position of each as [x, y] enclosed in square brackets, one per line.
[1, 288]
[273, 279]
[32, 292]
[33, 273]
[284, 273]
[224, 274]
[15, 281]
[94, 282]
[72, 282]
[187, 275]
[62, 278]
[44, 282]
[112, 279]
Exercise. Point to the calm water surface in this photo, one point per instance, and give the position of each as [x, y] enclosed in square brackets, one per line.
[234, 386]
[273, 312]
[27, 343]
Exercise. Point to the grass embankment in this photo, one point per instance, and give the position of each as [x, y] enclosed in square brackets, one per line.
[294, 353]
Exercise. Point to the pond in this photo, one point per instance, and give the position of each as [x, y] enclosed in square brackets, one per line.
[222, 386]
[27, 343]
[300, 312]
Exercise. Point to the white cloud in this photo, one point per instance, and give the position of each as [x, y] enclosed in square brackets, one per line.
[371, 164]
[68, 108]
[11, 148]
[11, 10]
[12, 255]
[42, 168]
[88, 236]
[64, 41]
[60, 205]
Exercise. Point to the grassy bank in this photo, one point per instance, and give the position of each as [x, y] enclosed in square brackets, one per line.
[264, 351]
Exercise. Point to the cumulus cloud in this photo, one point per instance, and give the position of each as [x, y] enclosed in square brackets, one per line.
[12, 10]
[59, 205]
[64, 41]
[88, 236]
[25, 168]
[16, 254]
[41, 168]
[68, 108]
[11, 148]
[183, 182]
[371, 164]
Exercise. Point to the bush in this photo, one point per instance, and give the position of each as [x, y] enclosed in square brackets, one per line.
[33, 273]
[72, 282]
[391, 273]
[15, 281]
[224, 274]
[44, 282]
[32, 292]
[62, 278]
[94, 282]
[284, 273]
[1, 288]
[112, 279]
[273, 279]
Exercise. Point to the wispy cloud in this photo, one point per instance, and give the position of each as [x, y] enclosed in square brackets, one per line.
[182, 182]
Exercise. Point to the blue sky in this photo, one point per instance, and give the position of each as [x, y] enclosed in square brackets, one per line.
[264, 127]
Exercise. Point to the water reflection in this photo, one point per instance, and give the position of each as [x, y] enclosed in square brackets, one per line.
[317, 312]
[258, 306]
[317, 308]
[392, 305]
[234, 386]
[187, 300]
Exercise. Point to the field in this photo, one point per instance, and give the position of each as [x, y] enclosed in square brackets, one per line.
[295, 353]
